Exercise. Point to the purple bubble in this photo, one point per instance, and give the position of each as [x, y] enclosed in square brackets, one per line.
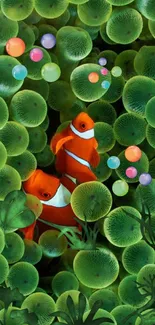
[102, 61]
[145, 179]
[48, 41]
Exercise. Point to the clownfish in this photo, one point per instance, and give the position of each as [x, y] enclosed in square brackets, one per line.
[55, 196]
[75, 149]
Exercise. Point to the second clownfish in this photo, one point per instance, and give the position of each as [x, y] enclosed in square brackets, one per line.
[75, 149]
[55, 195]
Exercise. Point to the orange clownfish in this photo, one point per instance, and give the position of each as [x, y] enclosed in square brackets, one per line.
[55, 195]
[75, 149]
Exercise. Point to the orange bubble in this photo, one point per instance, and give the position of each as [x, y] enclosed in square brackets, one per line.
[93, 77]
[133, 153]
[15, 46]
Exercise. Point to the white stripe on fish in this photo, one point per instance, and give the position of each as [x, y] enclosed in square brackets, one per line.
[84, 135]
[80, 160]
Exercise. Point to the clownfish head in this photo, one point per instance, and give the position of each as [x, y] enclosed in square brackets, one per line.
[83, 126]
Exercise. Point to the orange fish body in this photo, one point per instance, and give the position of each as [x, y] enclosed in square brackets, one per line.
[55, 196]
[75, 149]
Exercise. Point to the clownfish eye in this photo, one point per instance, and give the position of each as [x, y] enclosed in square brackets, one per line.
[46, 195]
[82, 125]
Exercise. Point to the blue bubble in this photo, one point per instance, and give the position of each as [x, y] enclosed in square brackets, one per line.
[19, 72]
[145, 179]
[105, 84]
[113, 162]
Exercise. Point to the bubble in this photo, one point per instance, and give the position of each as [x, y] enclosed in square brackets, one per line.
[15, 46]
[145, 179]
[50, 72]
[102, 61]
[104, 71]
[93, 77]
[105, 84]
[120, 188]
[48, 41]
[133, 153]
[19, 72]
[36, 55]
[113, 162]
[116, 71]
[131, 172]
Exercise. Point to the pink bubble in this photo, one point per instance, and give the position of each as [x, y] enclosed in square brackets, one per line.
[104, 71]
[131, 172]
[36, 55]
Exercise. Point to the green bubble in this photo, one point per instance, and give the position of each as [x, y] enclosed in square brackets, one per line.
[123, 311]
[4, 266]
[94, 14]
[50, 72]
[125, 60]
[109, 299]
[136, 93]
[102, 111]
[8, 29]
[73, 43]
[83, 88]
[3, 155]
[4, 113]
[141, 165]
[8, 84]
[50, 8]
[51, 245]
[102, 171]
[39, 86]
[116, 71]
[120, 229]
[34, 69]
[9, 181]
[42, 305]
[64, 281]
[124, 25]
[115, 90]
[24, 277]
[104, 135]
[134, 257]
[61, 96]
[37, 139]
[87, 201]
[32, 252]
[14, 248]
[45, 157]
[101, 266]
[130, 128]
[15, 138]
[120, 188]
[147, 8]
[17, 10]
[28, 115]
[25, 164]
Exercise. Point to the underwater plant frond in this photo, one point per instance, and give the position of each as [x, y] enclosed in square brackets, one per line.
[23, 316]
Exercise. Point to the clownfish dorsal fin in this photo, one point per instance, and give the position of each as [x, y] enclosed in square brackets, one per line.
[60, 199]
[61, 142]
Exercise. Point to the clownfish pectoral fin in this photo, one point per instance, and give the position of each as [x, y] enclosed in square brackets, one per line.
[95, 144]
[95, 158]
[61, 142]
[57, 137]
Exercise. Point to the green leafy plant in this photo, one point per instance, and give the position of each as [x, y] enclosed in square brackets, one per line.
[9, 296]
[75, 316]
[13, 212]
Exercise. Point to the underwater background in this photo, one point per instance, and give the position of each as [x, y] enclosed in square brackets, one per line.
[88, 258]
